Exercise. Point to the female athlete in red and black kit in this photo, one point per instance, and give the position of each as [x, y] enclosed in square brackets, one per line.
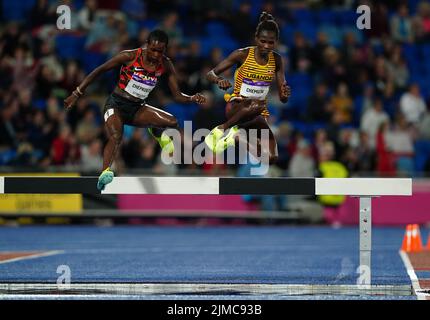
[257, 66]
[140, 71]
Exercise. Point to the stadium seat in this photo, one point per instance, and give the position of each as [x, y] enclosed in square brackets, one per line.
[148, 24]
[7, 156]
[216, 30]
[333, 33]
[69, 46]
[39, 103]
[17, 10]
[303, 16]
[326, 17]
[422, 154]
[92, 60]
[348, 18]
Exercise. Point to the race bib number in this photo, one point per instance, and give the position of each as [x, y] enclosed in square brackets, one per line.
[254, 89]
[140, 87]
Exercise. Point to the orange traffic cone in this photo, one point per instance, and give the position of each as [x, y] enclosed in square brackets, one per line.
[417, 244]
[407, 239]
[412, 240]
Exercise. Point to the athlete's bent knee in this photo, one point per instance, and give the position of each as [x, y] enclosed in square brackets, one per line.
[172, 123]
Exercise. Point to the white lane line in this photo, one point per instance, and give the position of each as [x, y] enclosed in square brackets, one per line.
[33, 256]
[412, 276]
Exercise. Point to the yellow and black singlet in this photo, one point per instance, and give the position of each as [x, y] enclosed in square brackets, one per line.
[253, 80]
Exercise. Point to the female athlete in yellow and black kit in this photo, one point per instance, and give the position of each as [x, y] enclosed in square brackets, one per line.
[247, 105]
[140, 72]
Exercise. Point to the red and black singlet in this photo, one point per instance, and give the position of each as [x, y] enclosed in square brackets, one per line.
[136, 80]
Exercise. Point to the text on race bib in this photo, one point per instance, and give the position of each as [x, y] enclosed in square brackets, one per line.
[254, 89]
[140, 86]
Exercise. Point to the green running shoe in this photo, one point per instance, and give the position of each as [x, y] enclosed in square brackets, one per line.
[226, 141]
[105, 177]
[164, 141]
[213, 137]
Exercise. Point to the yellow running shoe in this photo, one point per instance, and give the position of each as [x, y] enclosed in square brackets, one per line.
[164, 141]
[105, 177]
[213, 137]
[226, 141]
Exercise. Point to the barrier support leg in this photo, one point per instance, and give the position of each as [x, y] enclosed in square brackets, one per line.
[365, 240]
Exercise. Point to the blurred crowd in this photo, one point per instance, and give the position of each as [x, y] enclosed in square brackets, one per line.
[359, 97]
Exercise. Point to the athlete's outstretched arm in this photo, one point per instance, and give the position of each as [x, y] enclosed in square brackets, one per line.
[236, 57]
[174, 87]
[121, 58]
[283, 88]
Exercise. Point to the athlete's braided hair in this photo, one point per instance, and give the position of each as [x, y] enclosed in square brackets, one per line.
[158, 35]
[267, 23]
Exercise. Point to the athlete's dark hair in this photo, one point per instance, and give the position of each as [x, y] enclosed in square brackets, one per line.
[158, 35]
[267, 23]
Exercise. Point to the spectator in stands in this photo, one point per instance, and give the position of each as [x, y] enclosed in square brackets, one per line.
[198, 80]
[397, 69]
[87, 129]
[349, 47]
[365, 155]
[171, 27]
[49, 59]
[390, 100]
[380, 75]
[321, 44]
[88, 15]
[328, 167]
[318, 104]
[23, 67]
[38, 133]
[422, 23]
[372, 120]
[131, 149]
[10, 39]
[385, 165]
[206, 116]
[45, 82]
[368, 98]
[341, 103]
[8, 134]
[348, 139]
[302, 163]
[412, 104]
[300, 54]
[91, 156]
[320, 139]
[401, 25]
[424, 125]
[148, 155]
[241, 22]
[401, 144]
[41, 14]
[283, 139]
[72, 77]
[61, 146]
[103, 35]
[379, 17]
[333, 70]
[194, 60]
